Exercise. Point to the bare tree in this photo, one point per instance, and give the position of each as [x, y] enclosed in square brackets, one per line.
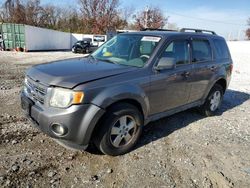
[19, 13]
[3, 14]
[127, 14]
[14, 11]
[248, 33]
[95, 16]
[33, 12]
[248, 30]
[9, 6]
[49, 16]
[100, 15]
[150, 18]
[70, 21]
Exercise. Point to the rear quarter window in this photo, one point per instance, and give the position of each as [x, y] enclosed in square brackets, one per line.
[221, 49]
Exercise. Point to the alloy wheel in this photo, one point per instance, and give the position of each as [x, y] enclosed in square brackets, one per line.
[123, 131]
[215, 101]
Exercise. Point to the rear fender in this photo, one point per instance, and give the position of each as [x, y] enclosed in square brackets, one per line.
[210, 86]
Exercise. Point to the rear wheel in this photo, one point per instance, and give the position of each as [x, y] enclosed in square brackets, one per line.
[213, 101]
[120, 130]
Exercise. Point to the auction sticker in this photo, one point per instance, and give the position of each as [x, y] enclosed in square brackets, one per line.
[151, 39]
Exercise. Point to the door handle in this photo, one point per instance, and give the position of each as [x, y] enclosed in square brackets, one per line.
[213, 68]
[185, 74]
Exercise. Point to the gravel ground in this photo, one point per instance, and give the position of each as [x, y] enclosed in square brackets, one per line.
[184, 150]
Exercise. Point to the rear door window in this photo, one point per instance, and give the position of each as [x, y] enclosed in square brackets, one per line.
[201, 50]
[221, 49]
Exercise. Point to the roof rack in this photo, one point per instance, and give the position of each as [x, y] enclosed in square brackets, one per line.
[155, 29]
[197, 30]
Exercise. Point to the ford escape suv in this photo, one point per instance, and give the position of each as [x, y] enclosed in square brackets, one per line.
[131, 80]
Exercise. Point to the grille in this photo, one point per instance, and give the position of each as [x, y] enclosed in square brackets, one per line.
[35, 90]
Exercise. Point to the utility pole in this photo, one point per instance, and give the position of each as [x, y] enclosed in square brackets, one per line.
[146, 17]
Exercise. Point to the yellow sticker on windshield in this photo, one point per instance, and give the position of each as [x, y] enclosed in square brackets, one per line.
[107, 54]
[151, 39]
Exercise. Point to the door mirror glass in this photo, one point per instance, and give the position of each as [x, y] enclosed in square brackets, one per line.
[166, 63]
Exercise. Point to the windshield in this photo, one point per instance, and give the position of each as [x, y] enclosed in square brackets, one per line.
[130, 50]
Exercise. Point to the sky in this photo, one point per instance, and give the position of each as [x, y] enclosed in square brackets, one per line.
[226, 17]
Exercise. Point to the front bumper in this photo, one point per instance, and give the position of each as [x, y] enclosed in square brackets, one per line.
[79, 120]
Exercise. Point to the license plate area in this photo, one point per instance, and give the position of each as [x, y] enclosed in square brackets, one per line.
[26, 105]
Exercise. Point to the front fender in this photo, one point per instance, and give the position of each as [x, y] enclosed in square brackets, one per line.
[117, 93]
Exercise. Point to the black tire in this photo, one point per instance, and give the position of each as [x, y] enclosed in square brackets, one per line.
[104, 139]
[207, 109]
[73, 50]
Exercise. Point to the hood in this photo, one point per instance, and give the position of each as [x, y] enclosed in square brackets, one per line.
[72, 72]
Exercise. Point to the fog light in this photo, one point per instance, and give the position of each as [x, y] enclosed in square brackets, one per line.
[58, 129]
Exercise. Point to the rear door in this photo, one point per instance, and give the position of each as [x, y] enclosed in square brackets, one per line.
[204, 67]
[170, 87]
[222, 57]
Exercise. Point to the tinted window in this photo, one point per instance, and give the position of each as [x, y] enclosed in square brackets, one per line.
[201, 51]
[221, 50]
[178, 51]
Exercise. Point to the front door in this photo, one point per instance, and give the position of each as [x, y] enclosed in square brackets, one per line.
[170, 88]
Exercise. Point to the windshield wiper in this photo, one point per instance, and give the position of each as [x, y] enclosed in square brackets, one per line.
[92, 57]
[99, 59]
[107, 60]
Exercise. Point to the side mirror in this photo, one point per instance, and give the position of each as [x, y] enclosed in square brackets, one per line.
[165, 63]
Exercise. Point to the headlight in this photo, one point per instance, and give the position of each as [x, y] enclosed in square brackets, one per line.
[63, 98]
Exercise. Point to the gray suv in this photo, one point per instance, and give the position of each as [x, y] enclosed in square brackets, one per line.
[131, 80]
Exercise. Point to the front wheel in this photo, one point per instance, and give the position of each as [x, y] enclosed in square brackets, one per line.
[73, 50]
[87, 50]
[213, 101]
[120, 130]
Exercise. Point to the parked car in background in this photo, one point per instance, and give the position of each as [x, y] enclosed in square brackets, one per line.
[99, 38]
[131, 80]
[84, 46]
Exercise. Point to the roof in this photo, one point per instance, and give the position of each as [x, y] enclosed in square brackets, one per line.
[166, 33]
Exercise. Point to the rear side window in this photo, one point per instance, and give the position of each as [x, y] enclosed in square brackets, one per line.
[221, 49]
[201, 50]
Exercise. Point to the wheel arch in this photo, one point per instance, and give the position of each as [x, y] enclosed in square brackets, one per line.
[221, 81]
[133, 102]
[130, 101]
